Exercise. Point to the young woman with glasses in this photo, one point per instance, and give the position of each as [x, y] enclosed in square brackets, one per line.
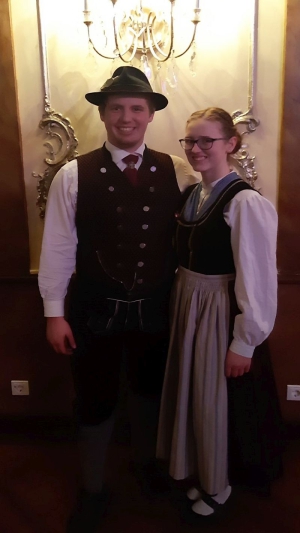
[224, 305]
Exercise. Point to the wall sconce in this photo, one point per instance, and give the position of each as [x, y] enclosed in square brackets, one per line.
[140, 32]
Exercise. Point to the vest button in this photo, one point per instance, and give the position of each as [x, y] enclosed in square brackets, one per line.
[145, 226]
[140, 264]
[111, 189]
[140, 281]
[142, 245]
[120, 227]
[151, 189]
[146, 208]
[119, 209]
[119, 246]
[119, 265]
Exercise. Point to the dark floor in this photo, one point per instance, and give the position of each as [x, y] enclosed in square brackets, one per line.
[38, 483]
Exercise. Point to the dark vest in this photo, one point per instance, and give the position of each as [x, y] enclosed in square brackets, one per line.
[204, 245]
[125, 233]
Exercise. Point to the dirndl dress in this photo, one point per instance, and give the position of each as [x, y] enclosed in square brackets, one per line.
[220, 430]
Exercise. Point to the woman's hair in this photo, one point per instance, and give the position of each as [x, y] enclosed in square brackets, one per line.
[216, 114]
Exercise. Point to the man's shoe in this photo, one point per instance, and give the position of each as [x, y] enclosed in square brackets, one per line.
[89, 509]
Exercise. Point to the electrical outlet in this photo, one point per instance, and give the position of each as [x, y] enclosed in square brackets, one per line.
[293, 393]
[20, 388]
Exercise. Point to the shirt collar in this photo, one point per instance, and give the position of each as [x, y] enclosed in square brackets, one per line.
[208, 188]
[117, 154]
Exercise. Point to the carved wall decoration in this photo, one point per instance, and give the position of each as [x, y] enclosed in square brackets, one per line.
[242, 157]
[61, 141]
[244, 160]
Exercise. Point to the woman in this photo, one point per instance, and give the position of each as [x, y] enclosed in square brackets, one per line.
[224, 305]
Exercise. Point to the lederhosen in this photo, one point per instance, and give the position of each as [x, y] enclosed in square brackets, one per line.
[125, 266]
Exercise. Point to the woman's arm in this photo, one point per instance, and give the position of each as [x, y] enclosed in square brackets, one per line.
[253, 222]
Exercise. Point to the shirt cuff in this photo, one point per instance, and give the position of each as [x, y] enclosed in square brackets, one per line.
[54, 308]
[239, 347]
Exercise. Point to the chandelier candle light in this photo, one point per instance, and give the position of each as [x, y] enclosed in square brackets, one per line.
[142, 33]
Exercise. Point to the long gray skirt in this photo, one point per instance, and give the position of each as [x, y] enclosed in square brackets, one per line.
[193, 423]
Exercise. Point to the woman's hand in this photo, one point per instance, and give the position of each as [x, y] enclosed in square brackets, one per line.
[236, 365]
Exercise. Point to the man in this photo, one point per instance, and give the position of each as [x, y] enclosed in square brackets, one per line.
[112, 221]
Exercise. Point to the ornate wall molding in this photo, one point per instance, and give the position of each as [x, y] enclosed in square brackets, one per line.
[242, 157]
[244, 160]
[61, 141]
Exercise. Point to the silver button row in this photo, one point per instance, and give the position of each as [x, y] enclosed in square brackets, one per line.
[140, 264]
[146, 208]
[144, 227]
[141, 245]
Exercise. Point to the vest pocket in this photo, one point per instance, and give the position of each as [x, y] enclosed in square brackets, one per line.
[107, 321]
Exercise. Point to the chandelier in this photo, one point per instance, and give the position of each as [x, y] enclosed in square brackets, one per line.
[135, 32]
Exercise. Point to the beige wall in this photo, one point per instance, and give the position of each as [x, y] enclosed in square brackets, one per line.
[222, 79]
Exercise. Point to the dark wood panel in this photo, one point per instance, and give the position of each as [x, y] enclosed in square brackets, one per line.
[285, 348]
[25, 355]
[14, 243]
[285, 339]
[289, 185]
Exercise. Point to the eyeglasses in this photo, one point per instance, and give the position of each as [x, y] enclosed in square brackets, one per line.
[205, 143]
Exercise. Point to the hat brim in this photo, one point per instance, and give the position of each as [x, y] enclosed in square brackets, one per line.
[97, 98]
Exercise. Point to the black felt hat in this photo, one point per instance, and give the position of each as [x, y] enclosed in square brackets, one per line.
[127, 80]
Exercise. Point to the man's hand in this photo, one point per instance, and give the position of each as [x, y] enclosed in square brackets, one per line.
[236, 365]
[59, 335]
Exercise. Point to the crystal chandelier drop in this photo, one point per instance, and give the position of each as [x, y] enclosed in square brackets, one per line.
[141, 34]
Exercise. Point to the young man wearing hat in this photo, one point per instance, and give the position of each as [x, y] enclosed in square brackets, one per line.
[110, 216]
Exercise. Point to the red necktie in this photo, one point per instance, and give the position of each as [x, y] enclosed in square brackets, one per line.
[130, 171]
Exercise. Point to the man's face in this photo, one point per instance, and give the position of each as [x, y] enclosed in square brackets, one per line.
[126, 119]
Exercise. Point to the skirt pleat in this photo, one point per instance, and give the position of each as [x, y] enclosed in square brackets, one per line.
[193, 428]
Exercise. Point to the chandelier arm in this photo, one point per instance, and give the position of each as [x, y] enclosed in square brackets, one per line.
[151, 39]
[121, 56]
[151, 46]
[135, 45]
[172, 37]
[192, 40]
[142, 32]
[95, 49]
[99, 53]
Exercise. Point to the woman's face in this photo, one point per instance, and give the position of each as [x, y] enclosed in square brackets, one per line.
[212, 162]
